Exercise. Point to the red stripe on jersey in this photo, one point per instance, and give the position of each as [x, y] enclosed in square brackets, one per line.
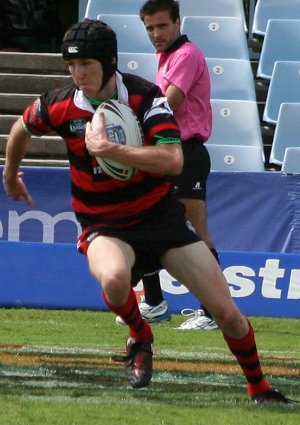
[161, 128]
[135, 102]
[123, 209]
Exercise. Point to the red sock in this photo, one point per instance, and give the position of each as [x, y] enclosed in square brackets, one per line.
[139, 329]
[246, 354]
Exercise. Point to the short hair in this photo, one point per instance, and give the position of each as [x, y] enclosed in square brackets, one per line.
[151, 7]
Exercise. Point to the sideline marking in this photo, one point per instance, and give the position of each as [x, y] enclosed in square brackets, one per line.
[89, 361]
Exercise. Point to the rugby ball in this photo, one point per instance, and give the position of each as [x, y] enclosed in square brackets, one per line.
[122, 126]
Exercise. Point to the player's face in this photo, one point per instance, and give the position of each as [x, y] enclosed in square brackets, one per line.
[161, 29]
[87, 75]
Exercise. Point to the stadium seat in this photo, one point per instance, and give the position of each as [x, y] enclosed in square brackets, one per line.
[287, 131]
[235, 122]
[291, 161]
[230, 8]
[273, 9]
[142, 64]
[231, 79]
[97, 7]
[235, 158]
[233, 8]
[131, 33]
[217, 37]
[284, 88]
[82, 5]
[281, 43]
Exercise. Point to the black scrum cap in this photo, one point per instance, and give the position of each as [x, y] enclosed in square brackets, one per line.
[92, 39]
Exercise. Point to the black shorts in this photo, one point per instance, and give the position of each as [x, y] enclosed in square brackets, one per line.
[191, 183]
[165, 229]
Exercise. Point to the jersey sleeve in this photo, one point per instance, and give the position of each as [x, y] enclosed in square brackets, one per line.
[159, 123]
[35, 118]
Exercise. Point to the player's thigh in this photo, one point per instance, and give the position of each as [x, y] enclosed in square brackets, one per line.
[195, 267]
[109, 257]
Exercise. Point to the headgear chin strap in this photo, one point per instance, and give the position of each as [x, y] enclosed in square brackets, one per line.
[92, 39]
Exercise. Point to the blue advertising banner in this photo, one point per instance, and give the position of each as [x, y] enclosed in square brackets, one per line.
[256, 212]
[254, 220]
[50, 219]
[43, 275]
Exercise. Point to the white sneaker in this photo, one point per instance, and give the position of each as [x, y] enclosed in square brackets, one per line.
[152, 314]
[197, 321]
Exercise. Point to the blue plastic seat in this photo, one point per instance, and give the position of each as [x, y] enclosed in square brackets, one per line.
[231, 8]
[231, 79]
[235, 158]
[126, 7]
[291, 161]
[141, 64]
[273, 9]
[235, 122]
[217, 36]
[287, 131]
[281, 43]
[284, 88]
[131, 33]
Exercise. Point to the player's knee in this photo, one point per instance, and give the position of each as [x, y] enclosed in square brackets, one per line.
[114, 280]
[228, 317]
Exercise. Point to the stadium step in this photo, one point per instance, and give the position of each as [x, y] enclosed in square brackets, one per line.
[31, 83]
[36, 63]
[14, 103]
[41, 147]
[23, 76]
[6, 122]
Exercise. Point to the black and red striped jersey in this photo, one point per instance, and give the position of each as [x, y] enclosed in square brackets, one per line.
[98, 199]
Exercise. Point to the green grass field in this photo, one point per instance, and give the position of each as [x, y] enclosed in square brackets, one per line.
[55, 368]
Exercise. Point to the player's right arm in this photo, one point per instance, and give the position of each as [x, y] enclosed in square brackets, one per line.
[16, 148]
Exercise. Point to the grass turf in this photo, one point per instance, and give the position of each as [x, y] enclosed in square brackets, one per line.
[55, 368]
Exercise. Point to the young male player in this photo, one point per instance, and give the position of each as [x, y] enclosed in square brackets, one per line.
[129, 227]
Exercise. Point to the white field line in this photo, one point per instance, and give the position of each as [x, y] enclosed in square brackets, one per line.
[129, 401]
[214, 353]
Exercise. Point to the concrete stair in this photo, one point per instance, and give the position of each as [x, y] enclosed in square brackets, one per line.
[36, 63]
[23, 76]
[14, 103]
[30, 83]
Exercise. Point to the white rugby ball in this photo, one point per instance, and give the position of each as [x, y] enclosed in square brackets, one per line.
[122, 126]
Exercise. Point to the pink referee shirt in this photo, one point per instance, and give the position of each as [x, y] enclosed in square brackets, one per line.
[186, 68]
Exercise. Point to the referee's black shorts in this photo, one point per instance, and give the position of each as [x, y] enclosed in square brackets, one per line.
[191, 183]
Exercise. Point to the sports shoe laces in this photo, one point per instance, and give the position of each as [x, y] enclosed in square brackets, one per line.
[192, 312]
[134, 349]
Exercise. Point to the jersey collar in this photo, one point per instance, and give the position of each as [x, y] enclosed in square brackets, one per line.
[82, 102]
[179, 42]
